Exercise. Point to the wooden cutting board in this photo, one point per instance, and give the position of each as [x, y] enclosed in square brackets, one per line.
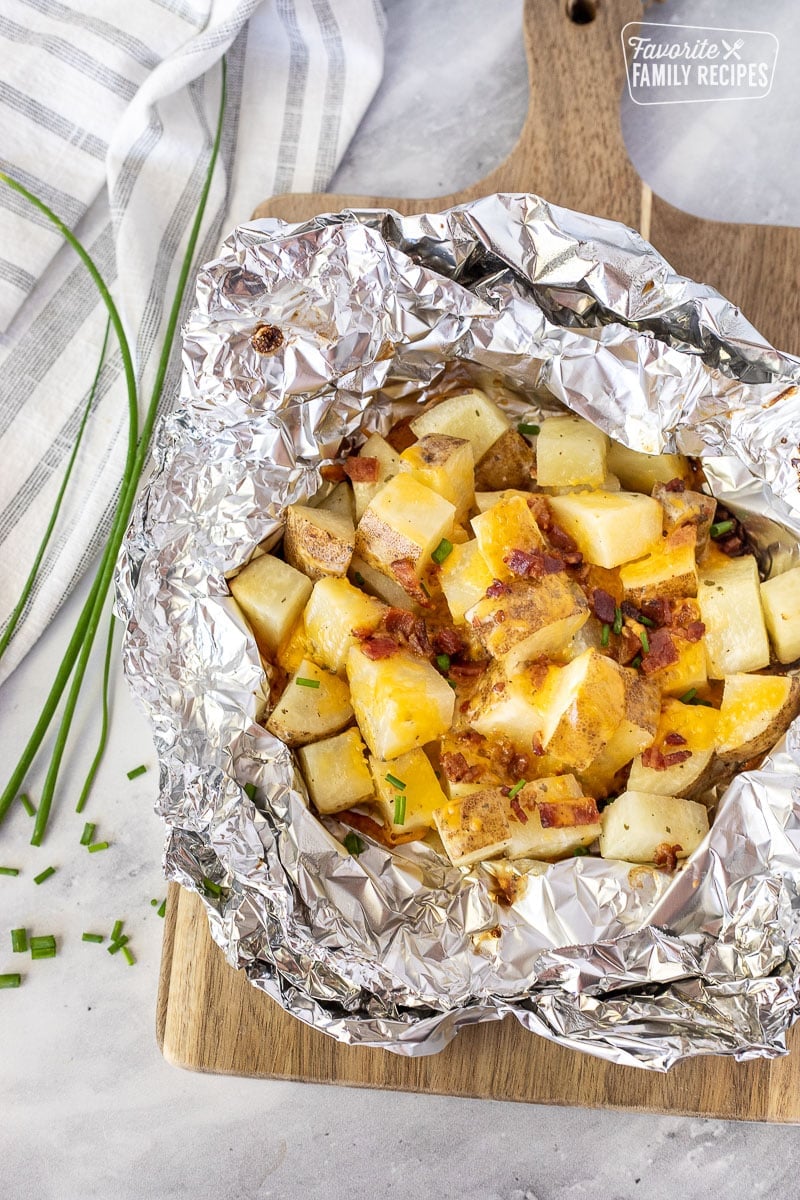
[570, 151]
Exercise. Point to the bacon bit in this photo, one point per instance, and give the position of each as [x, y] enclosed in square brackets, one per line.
[497, 588]
[629, 609]
[581, 571]
[675, 739]
[333, 472]
[520, 766]
[412, 628]
[603, 606]
[558, 815]
[377, 647]
[666, 856]
[499, 686]
[456, 767]
[533, 563]
[519, 811]
[448, 641]
[401, 435]
[372, 829]
[657, 611]
[406, 576]
[733, 546]
[541, 511]
[537, 747]
[654, 758]
[675, 485]
[693, 631]
[467, 670]
[662, 653]
[566, 544]
[500, 616]
[361, 470]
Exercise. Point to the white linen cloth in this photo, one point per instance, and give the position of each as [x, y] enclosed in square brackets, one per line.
[107, 112]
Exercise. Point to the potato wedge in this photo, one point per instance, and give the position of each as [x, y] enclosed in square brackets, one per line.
[474, 828]
[669, 569]
[512, 706]
[335, 610]
[404, 521]
[400, 702]
[551, 818]
[610, 528]
[570, 451]
[681, 728]
[464, 577]
[418, 799]
[641, 472]
[529, 619]
[583, 708]
[271, 594]
[506, 526]
[388, 466]
[780, 598]
[729, 595]
[318, 542]
[508, 463]
[643, 828]
[756, 710]
[446, 466]
[471, 415]
[314, 705]
[336, 772]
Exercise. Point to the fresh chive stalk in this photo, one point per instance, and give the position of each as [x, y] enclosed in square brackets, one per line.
[9, 870]
[359, 578]
[43, 875]
[399, 810]
[637, 662]
[309, 683]
[88, 833]
[395, 782]
[643, 620]
[721, 527]
[579, 851]
[689, 696]
[442, 551]
[19, 940]
[10, 981]
[118, 943]
[43, 941]
[516, 789]
[102, 738]
[528, 430]
[353, 844]
[25, 799]
[137, 771]
[211, 886]
[96, 847]
[93, 937]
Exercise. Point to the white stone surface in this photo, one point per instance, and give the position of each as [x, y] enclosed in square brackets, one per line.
[90, 1110]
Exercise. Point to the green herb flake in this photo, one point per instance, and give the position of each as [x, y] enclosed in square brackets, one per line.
[96, 847]
[528, 430]
[353, 844]
[93, 937]
[25, 801]
[10, 981]
[9, 870]
[395, 782]
[19, 941]
[579, 851]
[137, 771]
[45, 874]
[604, 636]
[637, 662]
[517, 788]
[309, 683]
[443, 662]
[720, 528]
[442, 551]
[88, 833]
[399, 810]
[162, 908]
[154, 904]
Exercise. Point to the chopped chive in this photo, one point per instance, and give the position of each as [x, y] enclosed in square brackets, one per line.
[689, 696]
[353, 844]
[25, 801]
[637, 662]
[442, 551]
[516, 789]
[211, 886]
[154, 904]
[137, 771]
[128, 956]
[43, 941]
[443, 662]
[721, 527]
[249, 791]
[116, 932]
[359, 578]
[425, 591]
[45, 874]
[528, 430]
[643, 620]
[704, 703]
[162, 908]
[579, 851]
[19, 940]
[45, 952]
[93, 937]
[452, 683]
[9, 870]
[10, 981]
[311, 683]
[617, 626]
[399, 810]
[644, 639]
[604, 636]
[118, 944]
[88, 833]
[97, 846]
[395, 782]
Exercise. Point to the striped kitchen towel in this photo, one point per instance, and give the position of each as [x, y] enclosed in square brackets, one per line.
[107, 112]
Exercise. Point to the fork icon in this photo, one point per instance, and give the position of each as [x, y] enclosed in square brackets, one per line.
[734, 49]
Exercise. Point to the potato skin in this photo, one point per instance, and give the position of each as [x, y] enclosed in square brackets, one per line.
[509, 463]
[778, 724]
[318, 542]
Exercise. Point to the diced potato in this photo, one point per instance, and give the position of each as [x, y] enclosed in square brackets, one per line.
[641, 472]
[512, 706]
[551, 818]
[635, 732]
[470, 415]
[422, 793]
[583, 709]
[474, 828]
[271, 594]
[400, 702]
[610, 528]
[305, 712]
[729, 596]
[506, 526]
[294, 648]
[335, 610]
[687, 508]
[780, 597]
[341, 500]
[509, 463]
[668, 570]
[464, 577]
[690, 669]
[683, 779]
[530, 619]
[388, 466]
[697, 726]
[318, 542]
[569, 451]
[478, 755]
[756, 710]
[486, 500]
[446, 466]
[643, 828]
[405, 520]
[336, 772]
[363, 576]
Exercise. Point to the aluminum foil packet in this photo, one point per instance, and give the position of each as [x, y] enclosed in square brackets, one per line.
[367, 309]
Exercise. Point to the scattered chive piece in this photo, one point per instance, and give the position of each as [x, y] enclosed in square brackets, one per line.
[721, 527]
[604, 636]
[704, 703]
[643, 620]
[399, 810]
[250, 792]
[116, 932]
[19, 940]
[395, 782]
[359, 578]
[617, 626]
[452, 683]
[644, 639]
[354, 844]
[425, 591]
[10, 981]
[443, 662]
[637, 662]
[95, 846]
[45, 952]
[118, 944]
[43, 941]
[162, 908]
[442, 551]
[25, 801]
[45, 874]
[93, 937]
[128, 956]
[579, 851]
[689, 696]
[154, 904]
[529, 430]
[211, 886]
[9, 870]
[137, 771]
[301, 682]
[516, 789]
[88, 833]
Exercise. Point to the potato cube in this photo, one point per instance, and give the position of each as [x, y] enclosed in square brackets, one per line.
[340, 500]
[551, 818]
[512, 706]
[314, 705]
[506, 526]
[687, 508]
[681, 728]
[509, 463]
[472, 415]
[482, 771]
[388, 466]
[446, 466]
[420, 797]
[271, 594]
[610, 528]
[363, 576]
[400, 702]
[464, 577]
[583, 709]
[336, 772]
[729, 595]
[474, 828]
[643, 828]
[780, 597]
[529, 619]
[405, 520]
[635, 732]
[336, 609]
[318, 542]
[690, 670]
[641, 472]
[669, 570]
[756, 710]
[486, 500]
[569, 451]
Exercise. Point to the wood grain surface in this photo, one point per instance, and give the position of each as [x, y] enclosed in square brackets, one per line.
[570, 150]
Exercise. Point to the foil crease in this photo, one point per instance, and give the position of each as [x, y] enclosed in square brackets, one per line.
[402, 950]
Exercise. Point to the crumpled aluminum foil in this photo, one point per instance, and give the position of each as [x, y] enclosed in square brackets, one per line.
[403, 950]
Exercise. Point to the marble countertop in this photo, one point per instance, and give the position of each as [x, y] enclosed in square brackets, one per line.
[90, 1108]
